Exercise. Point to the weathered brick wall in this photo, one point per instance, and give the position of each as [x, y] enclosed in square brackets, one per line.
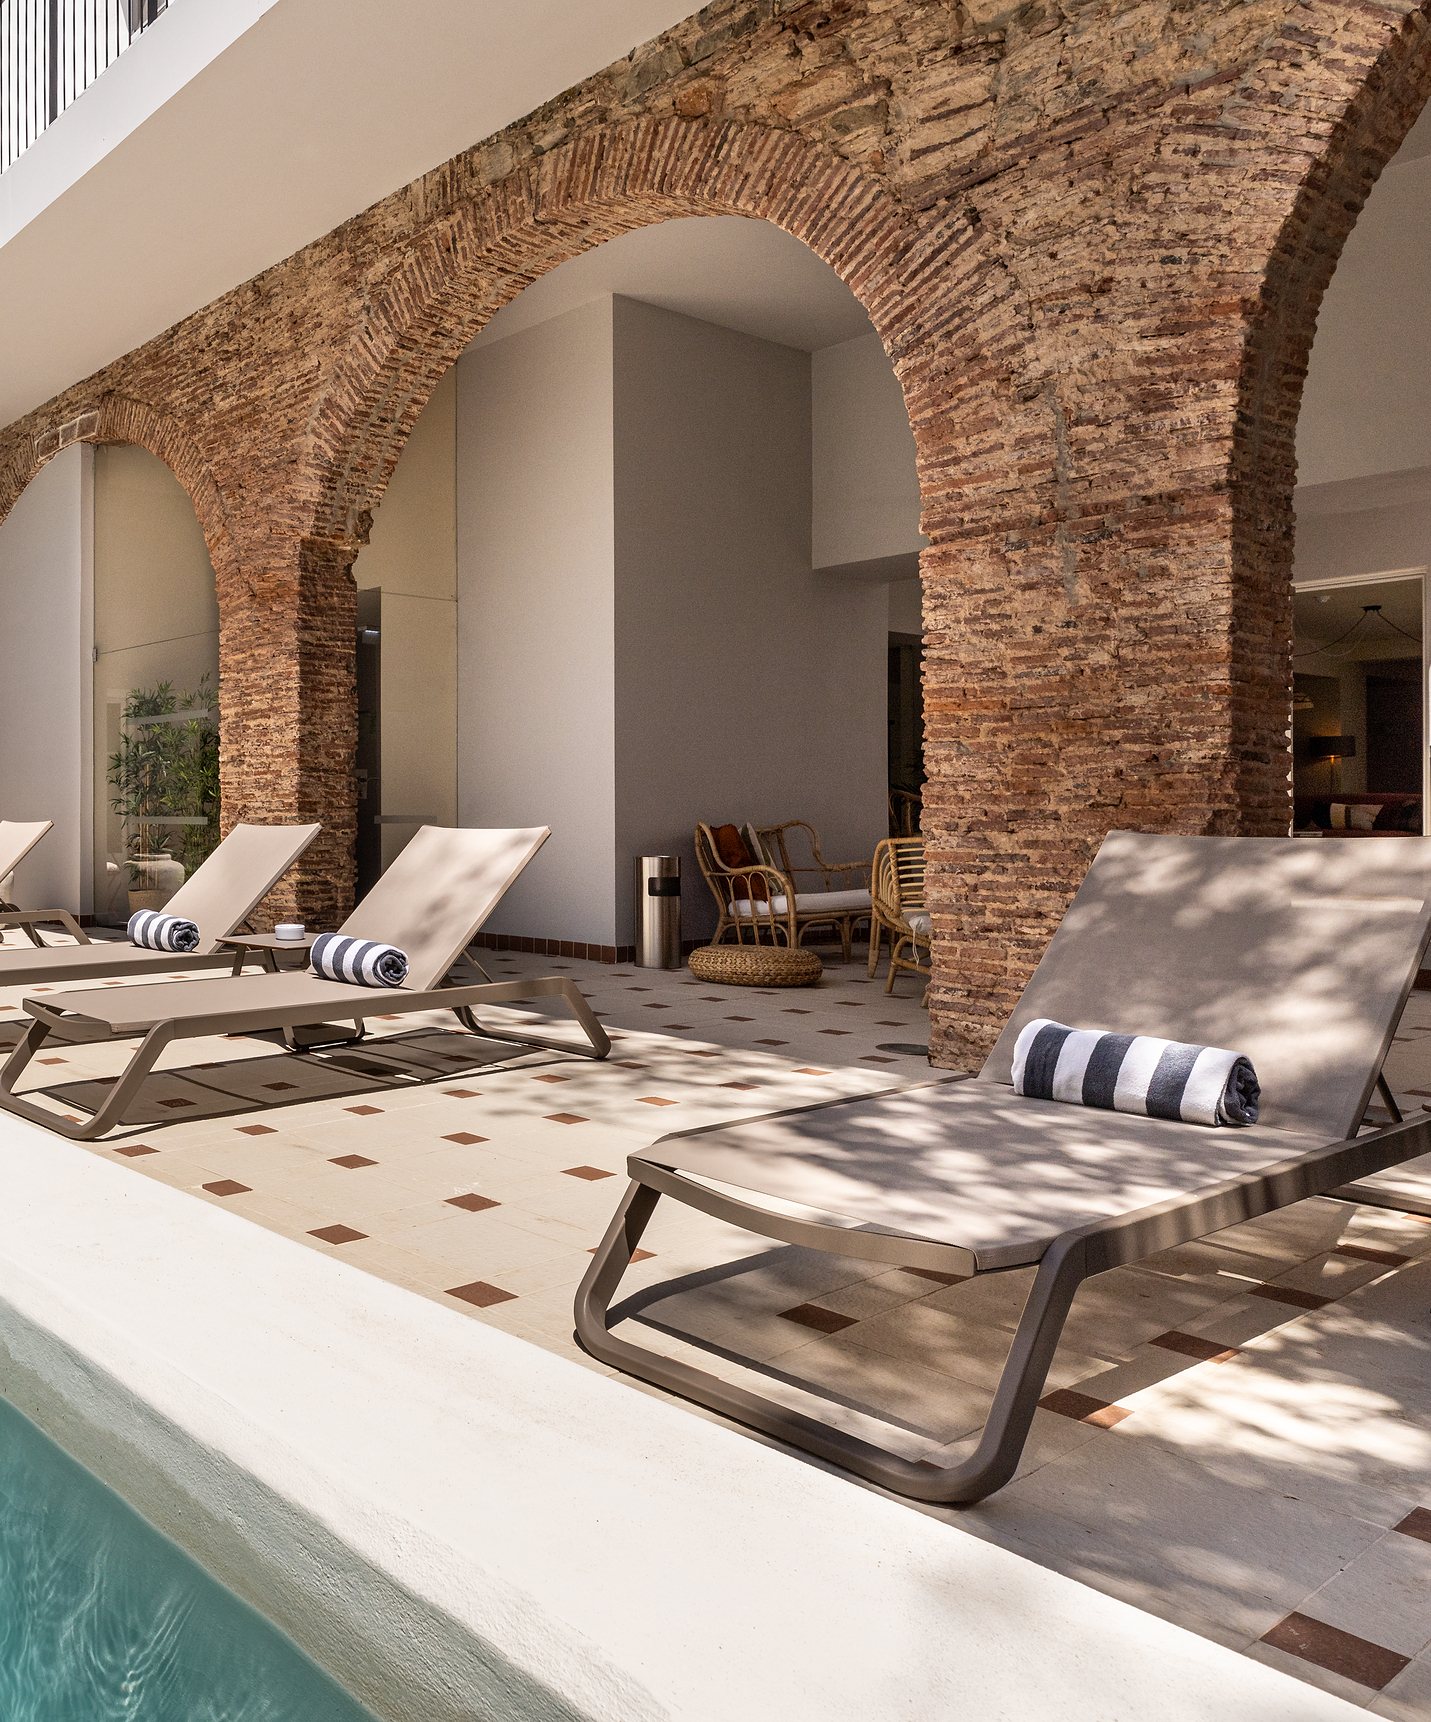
[1093, 240]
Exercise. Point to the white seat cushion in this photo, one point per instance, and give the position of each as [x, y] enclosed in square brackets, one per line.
[919, 922]
[833, 902]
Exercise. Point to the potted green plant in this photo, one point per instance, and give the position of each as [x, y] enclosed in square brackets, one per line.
[165, 778]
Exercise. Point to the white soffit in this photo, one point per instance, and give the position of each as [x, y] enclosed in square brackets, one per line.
[744, 274]
[231, 135]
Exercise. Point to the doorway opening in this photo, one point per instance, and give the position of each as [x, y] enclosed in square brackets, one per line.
[1359, 704]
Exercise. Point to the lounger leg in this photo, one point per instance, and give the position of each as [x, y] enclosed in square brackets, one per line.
[325, 1035]
[547, 987]
[115, 1101]
[989, 1467]
[1383, 1088]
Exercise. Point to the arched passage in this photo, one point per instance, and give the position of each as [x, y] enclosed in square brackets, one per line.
[685, 480]
[112, 599]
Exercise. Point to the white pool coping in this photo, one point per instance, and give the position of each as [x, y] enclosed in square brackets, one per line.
[456, 1523]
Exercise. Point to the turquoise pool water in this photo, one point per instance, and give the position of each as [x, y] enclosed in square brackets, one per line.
[103, 1619]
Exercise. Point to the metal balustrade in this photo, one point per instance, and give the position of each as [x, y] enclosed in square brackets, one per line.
[51, 51]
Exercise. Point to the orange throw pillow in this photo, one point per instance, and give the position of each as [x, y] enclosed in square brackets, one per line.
[734, 852]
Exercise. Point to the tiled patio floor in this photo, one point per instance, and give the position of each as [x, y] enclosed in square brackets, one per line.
[1239, 1436]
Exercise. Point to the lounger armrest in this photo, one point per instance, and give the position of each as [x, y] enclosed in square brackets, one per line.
[39, 917]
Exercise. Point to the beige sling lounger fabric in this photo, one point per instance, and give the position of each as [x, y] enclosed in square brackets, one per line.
[223, 891]
[431, 902]
[1299, 956]
[17, 840]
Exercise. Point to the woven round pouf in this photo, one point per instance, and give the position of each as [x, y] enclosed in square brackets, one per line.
[755, 966]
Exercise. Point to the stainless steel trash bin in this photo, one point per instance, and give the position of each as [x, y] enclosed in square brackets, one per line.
[658, 911]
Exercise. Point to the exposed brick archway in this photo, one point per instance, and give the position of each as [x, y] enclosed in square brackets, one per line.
[609, 181]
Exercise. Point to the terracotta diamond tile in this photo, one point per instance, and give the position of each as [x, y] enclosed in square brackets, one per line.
[566, 1118]
[1193, 1345]
[351, 1161]
[1083, 1408]
[590, 1173]
[551, 1079]
[481, 1294]
[874, 1058]
[363, 1111]
[337, 1234]
[227, 1187]
[636, 1255]
[273, 1085]
[740, 1019]
[463, 1093]
[810, 1070]
[134, 1149]
[743, 1085]
[464, 1138]
[1337, 1651]
[836, 1031]
[772, 1043]
[1417, 1523]
[471, 1203]
[1290, 1295]
[655, 1100]
[1361, 1253]
[822, 1320]
[255, 1130]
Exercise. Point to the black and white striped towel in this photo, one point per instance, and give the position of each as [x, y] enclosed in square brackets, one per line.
[1135, 1073]
[361, 962]
[158, 932]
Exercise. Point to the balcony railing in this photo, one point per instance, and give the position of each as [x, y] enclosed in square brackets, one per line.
[53, 50]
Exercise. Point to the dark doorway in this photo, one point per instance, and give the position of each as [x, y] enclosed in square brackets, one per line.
[906, 713]
[1393, 726]
[370, 740]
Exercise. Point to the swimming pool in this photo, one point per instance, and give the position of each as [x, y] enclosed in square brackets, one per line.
[103, 1619]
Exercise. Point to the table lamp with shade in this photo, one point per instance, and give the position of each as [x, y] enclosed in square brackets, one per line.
[1332, 748]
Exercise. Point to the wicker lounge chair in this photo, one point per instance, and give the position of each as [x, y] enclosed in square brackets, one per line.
[221, 894]
[1237, 942]
[897, 894]
[16, 842]
[430, 903]
[763, 886]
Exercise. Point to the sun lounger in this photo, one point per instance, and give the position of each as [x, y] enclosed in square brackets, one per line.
[1300, 955]
[430, 904]
[16, 842]
[218, 897]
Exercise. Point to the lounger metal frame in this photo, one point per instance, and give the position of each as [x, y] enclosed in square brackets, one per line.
[76, 1029]
[1070, 1259]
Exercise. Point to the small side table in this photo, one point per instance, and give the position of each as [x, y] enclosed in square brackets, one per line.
[268, 945]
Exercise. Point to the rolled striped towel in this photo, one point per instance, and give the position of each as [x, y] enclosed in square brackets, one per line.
[1135, 1073]
[362, 962]
[158, 932]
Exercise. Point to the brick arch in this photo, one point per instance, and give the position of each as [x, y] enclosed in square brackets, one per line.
[1379, 111]
[606, 182]
[121, 418]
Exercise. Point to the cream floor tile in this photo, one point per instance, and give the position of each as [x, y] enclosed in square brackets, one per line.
[1408, 1697]
[1384, 1595]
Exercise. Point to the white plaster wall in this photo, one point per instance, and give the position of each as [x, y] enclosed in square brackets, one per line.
[47, 599]
[455, 1523]
[906, 607]
[865, 489]
[412, 557]
[156, 618]
[535, 615]
[747, 687]
[1369, 377]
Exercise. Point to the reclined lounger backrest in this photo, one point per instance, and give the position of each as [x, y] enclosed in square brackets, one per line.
[439, 891]
[226, 888]
[16, 842]
[1299, 954]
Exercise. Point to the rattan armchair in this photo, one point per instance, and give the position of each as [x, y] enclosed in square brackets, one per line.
[763, 900]
[897, 894]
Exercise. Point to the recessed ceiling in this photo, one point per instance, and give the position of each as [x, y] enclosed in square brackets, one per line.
[1323, 617]
[742, 273]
